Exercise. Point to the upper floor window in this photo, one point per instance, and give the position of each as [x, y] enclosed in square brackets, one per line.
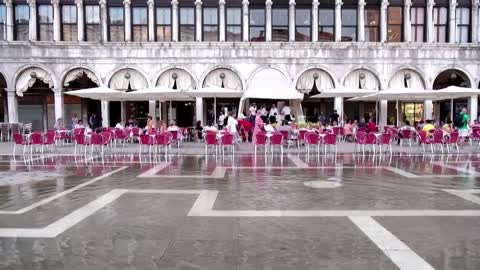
[45, 20]
[92, 23]
[164, 24]
[210, 24]
[22, 17]
[140, 23]
[257, 24]
[349, 24]
[326, 27]
[3, 22]
[187, 24]
[395, 19]
[463, 24]
[440, 20]
[372, 24]
[234, 24]
[417, 15]
[279, 24]
[69, 23]
[116, 22]
[303, 24]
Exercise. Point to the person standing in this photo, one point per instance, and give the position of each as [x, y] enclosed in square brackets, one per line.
[322, 119]
[463, 129]
[232, 125]
[334, 117]
[273, 114]
[92, 121]
[149, 125]
[74, 120]
[286, 112]
[258, 127]
[221, 120]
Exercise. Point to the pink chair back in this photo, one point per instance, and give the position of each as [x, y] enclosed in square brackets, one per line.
[261, 139]
[476, 133]
[368, 138]
[423, 136]
[18, 138]
[438, 137]
[36, 138]
[406, 133]
[95, 139]
[211, 138]
[362, 130]
[80, 139]
[145, 139]
[174, 134]
[301, 135]
[50, 138]
[227, 139]
[336, 130]
[453, 138]
[276, 138]
[312, 138]
[136, 132]
[78, 131]
[120, 134]
[385, 139]
[162, 139]
[330, 139]
[106, 136]
[359, 136]
[284, 134]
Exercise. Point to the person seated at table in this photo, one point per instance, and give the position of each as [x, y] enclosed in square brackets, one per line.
[119, 124]
[79, 124]
[406, 126]
[59, 124]
[362, 123]
[245, 128]
[286, 127]
[268, 127]
[475, 124]
[428, 126]
[173, 126]
[199, 129]
[348, 131]
[161, 126]
[292, 125]
[210, 127]
[371, 127]
[149, 124]
[447, 127]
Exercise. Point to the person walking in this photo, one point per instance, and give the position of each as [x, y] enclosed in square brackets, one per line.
[463, 128]
[258, 127]
[221, 121]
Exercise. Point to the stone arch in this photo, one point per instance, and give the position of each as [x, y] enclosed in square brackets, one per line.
[362, 78]
[73, 73]
[407, 77]
[126, 78]
[3, 81]
[231, 80]
[319, 77]
[452, 76]
[176, 78]
[26, 76]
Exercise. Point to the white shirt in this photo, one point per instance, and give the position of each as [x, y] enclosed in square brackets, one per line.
[269, 128]
[286, 110]
[220, 119]
[118, 125]
[264, 112]
[253, 110]
[232, 125]
[273, 111]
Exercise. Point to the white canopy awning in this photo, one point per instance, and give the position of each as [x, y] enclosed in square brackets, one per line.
[99, 93]
[343, 91]
[271, 84]
[156, 93]
[214, 91]
[401, 94]
[453, 92]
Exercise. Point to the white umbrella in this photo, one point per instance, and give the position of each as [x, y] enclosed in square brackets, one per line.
[214, 91]
[343, 91]
[453, 92]
[99, 93]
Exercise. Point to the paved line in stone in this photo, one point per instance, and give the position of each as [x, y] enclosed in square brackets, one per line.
[466, 194]
[396, 250]
[218, 173]
[401, 172]
[61, 194]
[153, 171]
[297, 161]
[458, 169]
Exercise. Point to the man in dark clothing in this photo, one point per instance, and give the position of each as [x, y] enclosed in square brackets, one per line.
[334, 117]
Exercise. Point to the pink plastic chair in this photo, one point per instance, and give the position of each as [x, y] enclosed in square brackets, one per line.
[301, 137]
[18, 140]
[128, 134]
[452, 141]
[227, 140]
[49, 140]
[286, 137]
[145, 140]
[260, 140]
[36, 139]
[368, 139]
[437, 139]
[211, 141]
[423, 140]
[98, 141]
[163, 140]
[80, 141]
[385, 140]
[330, 140]
[175, 137]
[135, 134]
[276, 140]
[312, 138]
[406, 137]
[120, 136]
[61, 135]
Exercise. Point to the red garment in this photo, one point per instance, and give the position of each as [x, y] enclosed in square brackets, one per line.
[247, 126]
[371, 126]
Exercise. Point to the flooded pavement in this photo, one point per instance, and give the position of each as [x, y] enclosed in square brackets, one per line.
[406, 211]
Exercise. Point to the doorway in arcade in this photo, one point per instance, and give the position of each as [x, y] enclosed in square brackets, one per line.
[313, 108]
[37, 106]
[225, 105]
[180, 111]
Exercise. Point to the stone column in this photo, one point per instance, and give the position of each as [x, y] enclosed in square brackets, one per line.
[291, 20]
[473, 104]
[428, 109]
[429, 23]
[475, 21]
[268, 20]
[199, 109]
[452, 23]
[383, 119]
[407, 22]
[123, 112]
[32, 27]
[80, 20]
[361, 20]
[221, 23]
[56, 20]
[245, 20]
[198, 20]
[9, 6]
[105, 113]
[128, 20]
[103, 7]
[338, 20]
[315, 4]
[151, 20]
[338, 105]
[160, 110]
[12, 106]
[151, 111]
[174, 20]
[59, 106]
[383, 21]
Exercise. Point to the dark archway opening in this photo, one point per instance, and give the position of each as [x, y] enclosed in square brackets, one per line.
[37, 106]
[451, 77]
[3, 95]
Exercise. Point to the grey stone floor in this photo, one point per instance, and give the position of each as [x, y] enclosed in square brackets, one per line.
[60, 212]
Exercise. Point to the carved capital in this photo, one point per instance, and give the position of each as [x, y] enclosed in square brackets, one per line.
[408, 3]
[361, 3]
[174, 3]
[198, 2]
[55, 3]
[453, 3]
[269, 3]
[475, 3]
[430, 3]
[151, 3]
[291, 3]
[127, 2]
[221, 2]
[245, 3]
[8, 3]
[315, 3]
[385, 4]
[102, 3]
[79, 3]
[32, 3]
[338, 3]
